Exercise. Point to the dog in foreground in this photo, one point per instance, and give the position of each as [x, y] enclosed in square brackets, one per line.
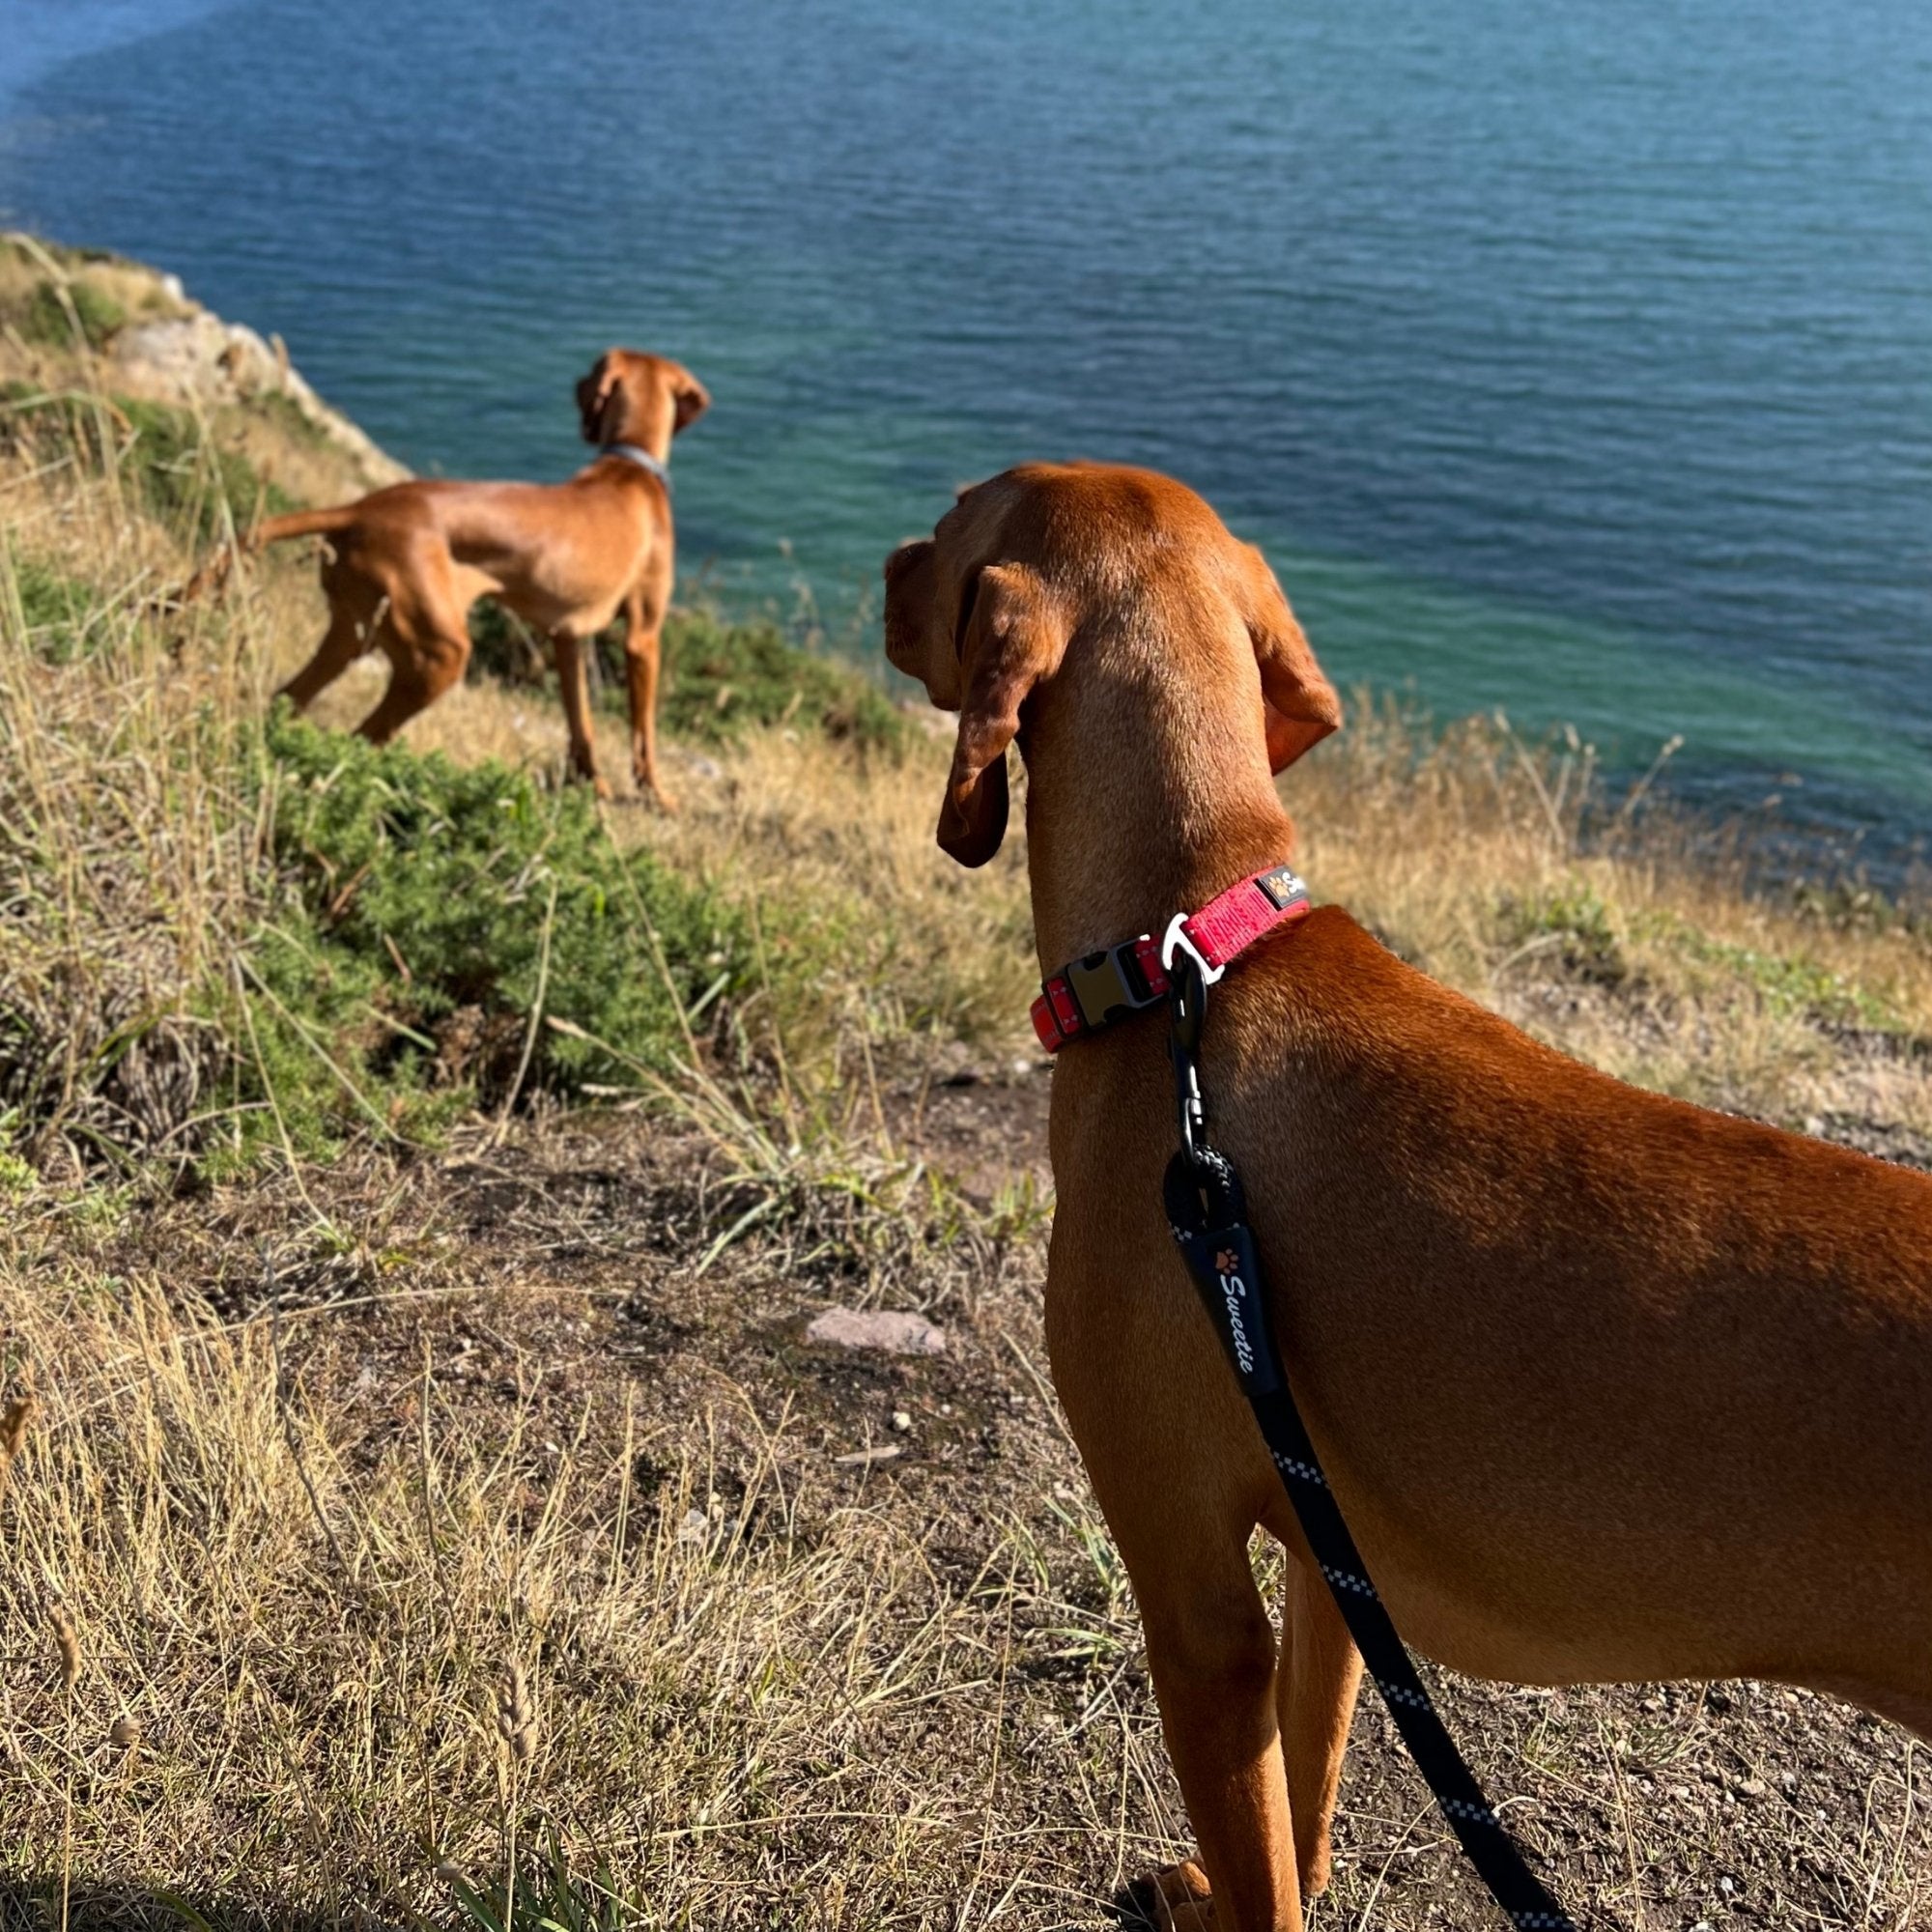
[1607, 1387]
[405, 564]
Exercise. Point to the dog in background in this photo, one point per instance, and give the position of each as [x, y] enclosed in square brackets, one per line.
[403, 565]
[1609, 1387]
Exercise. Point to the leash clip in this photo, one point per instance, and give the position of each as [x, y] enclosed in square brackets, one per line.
[1187, 1009]
[1178, 939]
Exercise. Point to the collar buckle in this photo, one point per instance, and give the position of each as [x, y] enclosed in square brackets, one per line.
[1117, 981]
[1111, 983]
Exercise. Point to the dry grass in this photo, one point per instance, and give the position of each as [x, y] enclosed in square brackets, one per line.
[366, 1642]
[128, 871]
[1614, 929]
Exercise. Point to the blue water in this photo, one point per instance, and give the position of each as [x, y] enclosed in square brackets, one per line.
[1575, 359]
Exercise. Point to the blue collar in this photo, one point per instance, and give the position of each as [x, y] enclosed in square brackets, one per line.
[642, 458]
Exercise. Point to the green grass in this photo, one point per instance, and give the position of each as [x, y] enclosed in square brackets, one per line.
[1790, 985]
[721, 678]
[445, 936]
[180, 478]
[1575, 924]
[44, 318]
[185, 480]
[548, 1897]
[55, 610]
[1572, 925]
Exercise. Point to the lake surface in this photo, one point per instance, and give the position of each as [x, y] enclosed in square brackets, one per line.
[1575, 360]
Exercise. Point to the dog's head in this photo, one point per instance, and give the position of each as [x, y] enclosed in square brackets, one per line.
[629, 396]
[1050, 561]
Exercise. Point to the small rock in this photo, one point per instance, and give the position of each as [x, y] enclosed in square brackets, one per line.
[889, 1329]
[694, 1528]
[126, 1733]
[901, 1420]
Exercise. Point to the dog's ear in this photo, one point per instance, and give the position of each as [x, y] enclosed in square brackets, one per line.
[1011, 638]
[693, 399]
[593, 396]
[1300, 704]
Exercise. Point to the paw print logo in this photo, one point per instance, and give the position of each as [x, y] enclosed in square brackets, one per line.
[1228, 1262]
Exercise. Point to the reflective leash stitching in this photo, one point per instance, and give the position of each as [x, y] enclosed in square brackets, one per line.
[1207, 1215]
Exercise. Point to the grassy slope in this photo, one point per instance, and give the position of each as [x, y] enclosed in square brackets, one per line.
[372, 1369]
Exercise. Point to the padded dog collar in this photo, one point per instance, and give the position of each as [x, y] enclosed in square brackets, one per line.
[1121, 980]
[633, 452]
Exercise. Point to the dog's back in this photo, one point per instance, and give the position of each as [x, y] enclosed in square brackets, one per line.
[1661, 1376]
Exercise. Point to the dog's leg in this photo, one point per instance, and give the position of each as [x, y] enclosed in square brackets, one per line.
[1315, 1683]
[643, 650]
[426, 664]
[1182, 1479]
[1211, 1653]
[572, 674]
[342, 643]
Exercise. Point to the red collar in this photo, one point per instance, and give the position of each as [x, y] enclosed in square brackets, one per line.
[1126, 978]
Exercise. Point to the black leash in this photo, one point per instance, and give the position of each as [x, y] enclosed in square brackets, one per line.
[1208, 1217]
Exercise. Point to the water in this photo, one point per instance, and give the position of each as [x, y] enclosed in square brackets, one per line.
[1574, 360]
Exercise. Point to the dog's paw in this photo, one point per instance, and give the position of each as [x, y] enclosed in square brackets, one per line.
[1312, 1869]
[1182, 1901]
[658, 797]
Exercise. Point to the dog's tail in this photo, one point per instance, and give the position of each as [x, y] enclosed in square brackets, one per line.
[212, 574]
[302, 524]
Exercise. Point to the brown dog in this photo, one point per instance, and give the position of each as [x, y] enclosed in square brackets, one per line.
[405, 564]
[1607, 1387]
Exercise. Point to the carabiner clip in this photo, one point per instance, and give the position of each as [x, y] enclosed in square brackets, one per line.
[1176, 939]
[1187, 1008]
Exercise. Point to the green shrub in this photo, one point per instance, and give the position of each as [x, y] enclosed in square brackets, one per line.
[502, 646]
[46, 319]
[1573, 923]
[719, 678]
[186, 481]
[437, 923]
[55, 608]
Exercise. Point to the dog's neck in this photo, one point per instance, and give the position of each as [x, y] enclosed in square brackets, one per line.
[1168, 818]
[646, 460]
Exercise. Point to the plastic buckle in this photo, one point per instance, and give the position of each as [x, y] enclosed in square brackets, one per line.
[1107, 983]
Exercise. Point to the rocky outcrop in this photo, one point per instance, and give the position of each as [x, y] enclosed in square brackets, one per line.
[199, 361]
[143, 335]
